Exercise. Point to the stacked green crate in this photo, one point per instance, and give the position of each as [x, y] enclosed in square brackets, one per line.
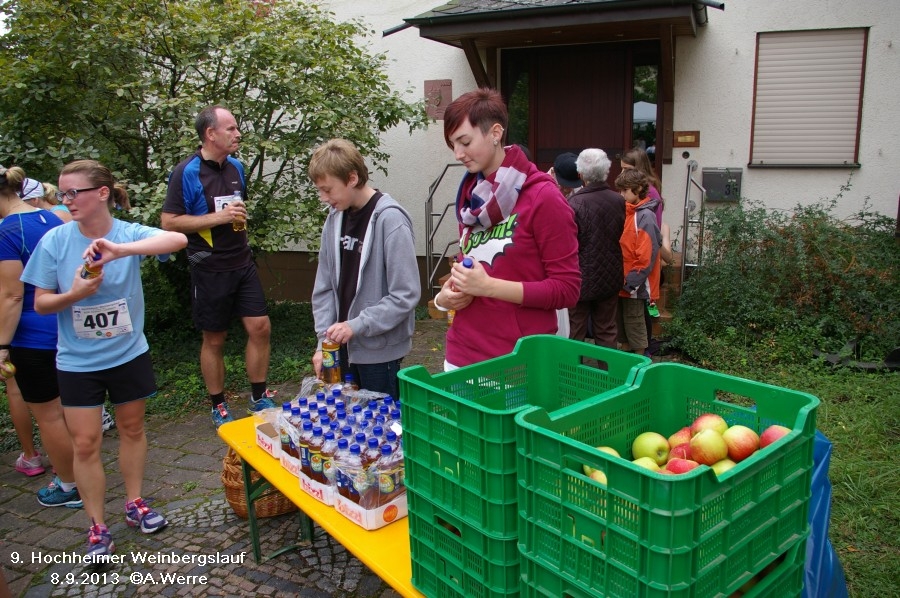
[648, 534]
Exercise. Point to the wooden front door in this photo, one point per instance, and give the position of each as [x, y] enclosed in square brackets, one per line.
[567, 98]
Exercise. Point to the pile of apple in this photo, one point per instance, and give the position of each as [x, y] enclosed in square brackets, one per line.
[709, 440]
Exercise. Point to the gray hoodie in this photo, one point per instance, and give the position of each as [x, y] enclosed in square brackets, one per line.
[382, 314]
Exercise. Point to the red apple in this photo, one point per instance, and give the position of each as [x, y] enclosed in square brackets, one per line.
[709, 421]
[771, 434]
[682, 436]
[598, 476]
[682, 451]
[677, 465]
[646, 463]
[741, 441]
[651, 444]
[708, 446]
[666, 472]
[722, 466]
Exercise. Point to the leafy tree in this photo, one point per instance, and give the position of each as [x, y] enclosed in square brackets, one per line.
[122, 82]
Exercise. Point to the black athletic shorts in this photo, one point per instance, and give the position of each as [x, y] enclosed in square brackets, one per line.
[217, 297]
[35, 373]
[131, 381]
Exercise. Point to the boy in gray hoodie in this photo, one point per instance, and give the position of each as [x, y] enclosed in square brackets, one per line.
[367, 283]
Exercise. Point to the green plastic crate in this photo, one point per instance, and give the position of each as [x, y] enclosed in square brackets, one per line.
[782, 578]
[451, 558]
[666, 533]
[459, 431]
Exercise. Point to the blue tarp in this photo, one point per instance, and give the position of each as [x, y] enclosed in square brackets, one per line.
[824, 576]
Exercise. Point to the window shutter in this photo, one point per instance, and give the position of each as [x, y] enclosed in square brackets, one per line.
[808, 97]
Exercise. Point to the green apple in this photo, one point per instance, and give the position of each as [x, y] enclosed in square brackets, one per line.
[646, 463]
[610, 450]
[722, 466]
[587, 469]
[652, 445]
[7, 370]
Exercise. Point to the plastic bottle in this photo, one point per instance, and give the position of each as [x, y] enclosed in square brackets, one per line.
[349, 385]
[89, 270]
[331, 362]
[283, 423]
[329, 448]
[369, 498]
[391, 438]
[353, 472]
[451, 313]
[239, 223]
[315, 454]
[390, 475]
[303, 447]
[338, 462]
[378, 432]
[347, 432]
[330, 408]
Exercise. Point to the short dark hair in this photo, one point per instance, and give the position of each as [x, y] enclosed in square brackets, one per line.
[205, 119]
[483, 108]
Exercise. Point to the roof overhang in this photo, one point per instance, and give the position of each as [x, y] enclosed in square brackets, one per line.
[523, 23]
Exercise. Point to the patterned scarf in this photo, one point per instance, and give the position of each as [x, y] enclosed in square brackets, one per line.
[489, 201]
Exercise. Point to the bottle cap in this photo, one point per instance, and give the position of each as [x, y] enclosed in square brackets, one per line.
[386, 449]
[343, 443]
[354, 448]
[307, 425]
[329, 435]
[467, 262]
[373, 442]
[295, 411]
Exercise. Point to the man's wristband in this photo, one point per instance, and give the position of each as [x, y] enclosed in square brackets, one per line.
[5, 347]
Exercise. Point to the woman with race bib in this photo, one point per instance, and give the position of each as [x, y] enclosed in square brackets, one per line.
[102, 348]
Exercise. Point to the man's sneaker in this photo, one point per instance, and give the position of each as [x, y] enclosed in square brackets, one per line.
[220, 414]
[137, 513]
[264, 402]
[30, 467]
[99, 543]
[107, 420]
[54, 496]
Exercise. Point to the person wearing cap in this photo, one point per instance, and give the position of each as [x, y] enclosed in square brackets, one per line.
[600, 216]
[565, 172]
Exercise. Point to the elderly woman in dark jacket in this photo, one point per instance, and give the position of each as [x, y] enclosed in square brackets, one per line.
[600, 216]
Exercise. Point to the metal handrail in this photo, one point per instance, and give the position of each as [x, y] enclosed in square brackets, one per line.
[432, 227]
[688, 221]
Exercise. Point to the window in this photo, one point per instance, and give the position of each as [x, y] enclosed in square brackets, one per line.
[808, 101]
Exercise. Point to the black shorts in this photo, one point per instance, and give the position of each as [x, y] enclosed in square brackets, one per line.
[131, 381]
[217, 297]
[35, 373]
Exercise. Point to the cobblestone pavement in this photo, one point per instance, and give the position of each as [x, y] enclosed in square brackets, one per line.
[183, 481]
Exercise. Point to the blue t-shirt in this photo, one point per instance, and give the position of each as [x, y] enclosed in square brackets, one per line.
[19, 235]
[106, 329]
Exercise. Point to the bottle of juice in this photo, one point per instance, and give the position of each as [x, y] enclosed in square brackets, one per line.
[315, 454]
[378, 433]
[283, 423]
[369, 498]
[295, 421]
[313, 410]
[303, 447]
[329, 448]
[391, 438]
[341, 481]
[352, 469]
[389, 469]
[331, 362]
[347, 432]
[330, 408]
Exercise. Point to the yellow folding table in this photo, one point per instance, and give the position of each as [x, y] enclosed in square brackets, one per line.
[385, 551]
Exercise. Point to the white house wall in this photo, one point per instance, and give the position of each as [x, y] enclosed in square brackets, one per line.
[419, 158]
[714, 80]
[713, 95]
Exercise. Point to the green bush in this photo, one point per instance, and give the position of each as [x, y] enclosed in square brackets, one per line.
[776, 285]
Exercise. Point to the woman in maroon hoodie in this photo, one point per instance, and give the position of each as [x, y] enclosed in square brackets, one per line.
[517, 228]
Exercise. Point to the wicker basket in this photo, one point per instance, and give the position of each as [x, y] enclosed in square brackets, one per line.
[270, 505]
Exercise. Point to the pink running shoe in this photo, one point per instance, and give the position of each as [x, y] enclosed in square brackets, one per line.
[30, 467]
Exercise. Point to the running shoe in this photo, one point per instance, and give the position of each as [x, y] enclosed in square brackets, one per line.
[107, 420]
[264, 402]
[30, 467]
[221, 415]
[54, 496]
[138, 514]
[99, 543]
